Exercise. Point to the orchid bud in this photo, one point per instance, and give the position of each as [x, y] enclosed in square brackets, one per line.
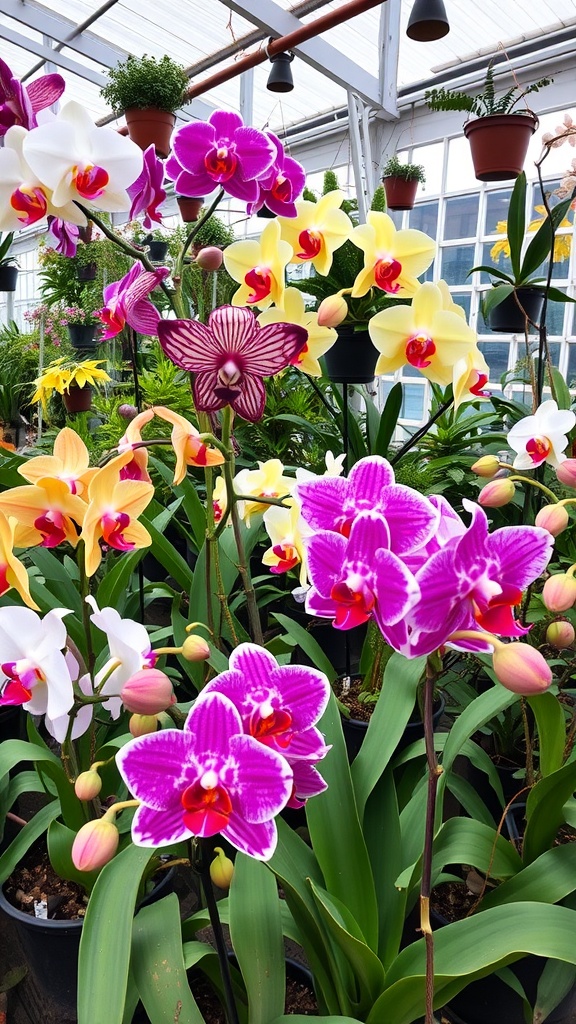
[521, 668]
[142, 725]
[127, 411]
[221, 869]
[497, 493]
[560, 634]
[553, 518]
[210, 258]
[95, 844]
[195, 648]
[332, 311]
[147, 692]
[88, 785]
[487, 466]
[559, 592]
[566, 472]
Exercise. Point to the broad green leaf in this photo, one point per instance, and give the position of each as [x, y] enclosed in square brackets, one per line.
[168, 556]
[388, 420]
[547, 880]
[256, 934]
[12, 752]
[484, 707]
[469, 798]
[297, 1018]
[495, 296]
[58, 580]
[544, 810]
[541, 245]
[116, 580]
[157, 965]
[106, 938]
[555, 982]
[309, 645]
[26, 837]
[551, 726]
[60, 840]
[191, 504]
[516, 222]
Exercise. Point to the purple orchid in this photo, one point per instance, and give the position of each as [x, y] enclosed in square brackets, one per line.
[19, 103]
[208, 778]
[332, 503]
[230, 355]
[65, 236]
[127, 302]
[146, 192]
[307, 782]
[281, 185]
[357, 578]
[221, 151]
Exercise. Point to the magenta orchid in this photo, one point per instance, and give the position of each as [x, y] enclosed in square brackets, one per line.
[230, 356]
[281, 185]
[146, 192]
[127, 302]
[63, 235]
[221, 151]
[207, 779]
[19, 103]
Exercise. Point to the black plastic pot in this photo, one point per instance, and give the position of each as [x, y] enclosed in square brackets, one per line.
[87, 272]
[493, 1000]
[352, 359]
[82, 336]
[507, 318]
[157, 251]
[8, 278]
[354, 730]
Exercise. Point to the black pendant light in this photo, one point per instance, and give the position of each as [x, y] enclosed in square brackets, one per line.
[280, 77]
[428, 21]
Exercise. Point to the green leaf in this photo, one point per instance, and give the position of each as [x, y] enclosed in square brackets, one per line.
[554, 983]
[484, 707]
[495, 296]
[547, 880]
[544, 810]
[309, 645]
[540, 246]
[116, 580]
[297, 1018]
[516, 223]
[26, 837]
[551, 727]
[256, 933]
[168, 556]
[191, 504]
[157, 966]
[58, 580]
[388, 420]
[12, 752]
[60, 840]
[106, 937]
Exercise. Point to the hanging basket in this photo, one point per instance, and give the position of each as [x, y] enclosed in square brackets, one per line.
[82, 336]
[352, 358]
[8, 278]
[400, 194]
[499, 143]
[77, 399]
[507, 317]
[87, 272]
[149, 126]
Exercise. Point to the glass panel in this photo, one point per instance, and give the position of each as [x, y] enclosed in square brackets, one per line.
[554, 348]
[431, 159]
[397, 216]
[496, 355]
[492, 253]
[463, 299]
[456, 261]
[571, 375]
[460, 171]
[555, 318]
[497, 204]
[413, 402]
[461, 218]
[424, 217]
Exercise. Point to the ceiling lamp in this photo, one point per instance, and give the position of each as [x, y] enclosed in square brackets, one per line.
[428, 21]
[280, 77]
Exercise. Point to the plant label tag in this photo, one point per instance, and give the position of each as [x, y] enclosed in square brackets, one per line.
[40, 908]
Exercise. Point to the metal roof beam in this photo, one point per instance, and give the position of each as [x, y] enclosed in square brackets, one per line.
[325, 58]
[62, 30]
[49, 54]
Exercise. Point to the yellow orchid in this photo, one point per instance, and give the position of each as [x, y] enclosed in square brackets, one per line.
[12, 572]
[60, 374]
[425, 335]
[393, 260]
[220, 500]
[188, 446]
[112, 513]
[469, 376]
[317, 231]
[320, 339]
[46, 513]
[259, 268]
[137, 467]
[69, 462]
[562, 243]
[283, 526]
[265, 482]
[448, 302]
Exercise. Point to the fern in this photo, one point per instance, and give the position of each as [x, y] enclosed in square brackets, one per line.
[484, 103]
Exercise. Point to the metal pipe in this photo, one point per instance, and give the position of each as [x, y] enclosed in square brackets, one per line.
[72, 35]
[288, 42]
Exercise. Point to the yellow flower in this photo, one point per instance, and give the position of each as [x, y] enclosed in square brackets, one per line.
[562, 243]
[393, 260]
[60, 374]
[317, 231]
[259, 268]
[12, 572]
[69, 462]
[425, 335]
[287, 548]
[265, 482]
[469, 376]
[46, 513]
[190, 450]
[320, 339]
[112, 513]
[447, 300]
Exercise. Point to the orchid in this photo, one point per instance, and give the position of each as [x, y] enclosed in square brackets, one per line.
[259, 267]
[126, 302]
[320, 339]
[393, 260]
[33, 667]
[81, 163]
[69, 462]
[424, 335]
[268, 481]
[189, 447]
[25, 198]
[469, 377]
[59, 725]
[47, 513]
[130, 651]
[112, 513]
[221, 151]
[64, 236]
[146, 192]
[19, 103]
[207, 779]
[286, 531]
[281, 184]
[131, 440]
[317, 231]
[12, 573]
[230, 356]
[542, 437]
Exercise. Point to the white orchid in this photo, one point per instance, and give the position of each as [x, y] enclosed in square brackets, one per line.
[542, 437]
[128, 644]
[24, 198]
[33, 668]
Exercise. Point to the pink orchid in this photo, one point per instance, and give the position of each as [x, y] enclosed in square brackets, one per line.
[146, 192]
[65, 236]
[19, 103]
[127, 302]
[281, 185]
[229, 357]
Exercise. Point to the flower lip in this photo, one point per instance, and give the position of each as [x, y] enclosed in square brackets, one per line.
[538, 448]
[418, 349]
[386, 274]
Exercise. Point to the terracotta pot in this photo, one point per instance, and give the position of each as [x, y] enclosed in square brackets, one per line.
[507, 318]
[78, 399]
[8, 278]
[499, 144]
[190, 207]
[400, 194]
[82, 336]
[352, 359]
[149, 126]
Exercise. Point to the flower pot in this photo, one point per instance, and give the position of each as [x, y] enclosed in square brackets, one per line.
[400, 194]
[507, 317]
[87, 272]
[157, 251]
[354, 730]
[82, 336]
[352, 359]
[8, 278]
[149, 126]
[190, 207]
[77, 399]
[499, 144]
[492, 999]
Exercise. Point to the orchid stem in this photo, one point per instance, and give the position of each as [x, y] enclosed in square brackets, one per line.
[535, 483]
[201, 852]
[433, 667]
[421, 432]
